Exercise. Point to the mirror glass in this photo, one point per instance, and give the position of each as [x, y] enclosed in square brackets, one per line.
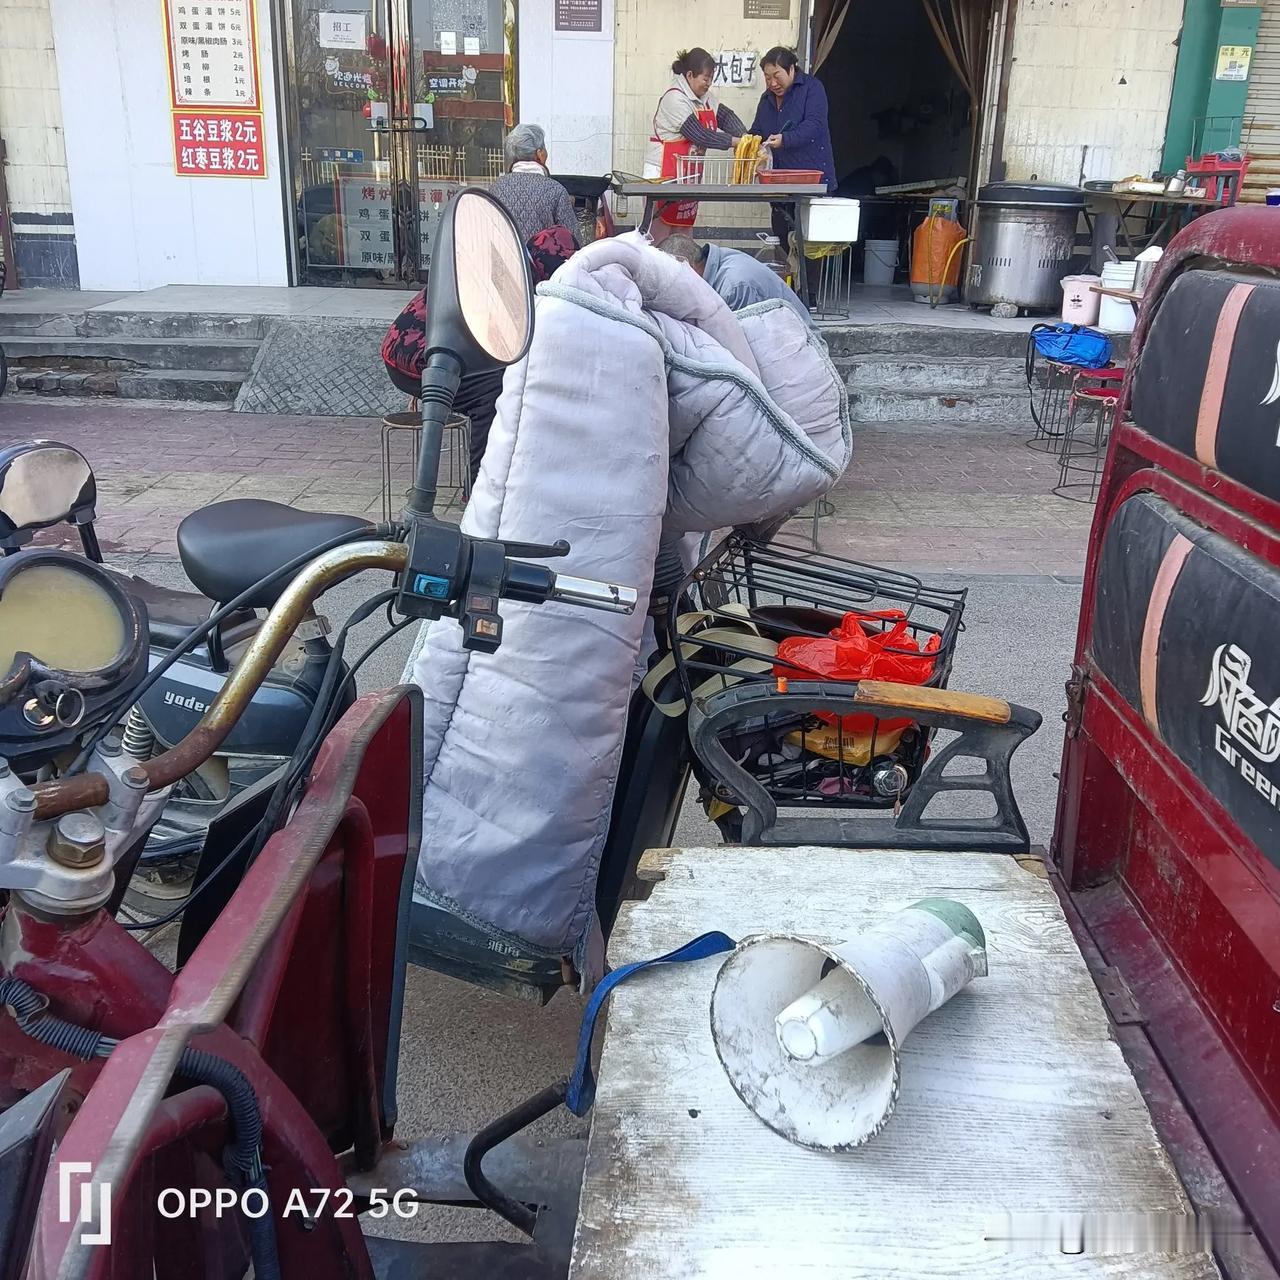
[62, 617]
[42, 485]
[492, 272]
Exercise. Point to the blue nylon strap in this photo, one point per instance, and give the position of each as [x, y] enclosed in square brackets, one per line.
[582, 1084]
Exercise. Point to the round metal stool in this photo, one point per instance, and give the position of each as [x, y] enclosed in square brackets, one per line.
[454, 480]
[1055, 399]
[1084, 442]
[1054, 395]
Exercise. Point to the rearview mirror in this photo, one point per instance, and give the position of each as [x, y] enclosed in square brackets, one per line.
[479, 318]
[480, 296]
[42, 483]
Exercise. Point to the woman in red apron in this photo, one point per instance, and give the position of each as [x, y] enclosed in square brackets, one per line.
[688, 122]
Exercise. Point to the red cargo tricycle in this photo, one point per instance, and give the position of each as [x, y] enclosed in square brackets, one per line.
[241, 1113]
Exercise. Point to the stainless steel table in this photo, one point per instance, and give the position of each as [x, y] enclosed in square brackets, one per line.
[654, 193]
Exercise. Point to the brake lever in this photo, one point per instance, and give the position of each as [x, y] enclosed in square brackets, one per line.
[536, 550]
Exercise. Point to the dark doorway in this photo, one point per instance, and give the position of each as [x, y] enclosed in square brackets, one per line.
[899, 113]
[894, 96]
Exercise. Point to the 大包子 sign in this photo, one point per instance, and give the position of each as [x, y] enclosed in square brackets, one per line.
[735, 68]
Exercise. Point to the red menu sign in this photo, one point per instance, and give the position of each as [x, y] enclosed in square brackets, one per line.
[224, 144]
[218, 126]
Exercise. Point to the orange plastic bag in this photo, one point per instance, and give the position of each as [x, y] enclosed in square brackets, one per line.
[865, 646]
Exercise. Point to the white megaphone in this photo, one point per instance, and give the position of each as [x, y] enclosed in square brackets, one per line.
[810, 1035]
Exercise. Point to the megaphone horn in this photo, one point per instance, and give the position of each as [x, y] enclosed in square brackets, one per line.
[811, 1035]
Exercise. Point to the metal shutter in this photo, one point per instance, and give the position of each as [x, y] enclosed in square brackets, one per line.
[1261, 134]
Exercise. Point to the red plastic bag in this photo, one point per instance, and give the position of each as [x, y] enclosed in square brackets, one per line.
[865, 646]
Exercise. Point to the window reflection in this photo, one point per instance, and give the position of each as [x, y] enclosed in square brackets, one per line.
[344, 160]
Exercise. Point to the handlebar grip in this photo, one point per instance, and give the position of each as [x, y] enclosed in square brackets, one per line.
[532, 583]
[535, 583]
[590, 594]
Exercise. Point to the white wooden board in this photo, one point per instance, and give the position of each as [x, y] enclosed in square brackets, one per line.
[1015, 1099]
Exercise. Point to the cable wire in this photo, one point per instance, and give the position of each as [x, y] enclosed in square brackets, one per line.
[301, 761]
[135, 926]
[215, 619]
[323, 715]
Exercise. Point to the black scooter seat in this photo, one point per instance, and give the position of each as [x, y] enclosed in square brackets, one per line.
[227, 547]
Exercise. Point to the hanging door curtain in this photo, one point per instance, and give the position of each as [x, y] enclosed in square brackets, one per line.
[962, 28]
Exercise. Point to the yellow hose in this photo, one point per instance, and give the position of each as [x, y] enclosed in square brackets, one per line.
[942, 284]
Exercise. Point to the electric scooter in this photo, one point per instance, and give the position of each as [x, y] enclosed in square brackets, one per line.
[45, 483]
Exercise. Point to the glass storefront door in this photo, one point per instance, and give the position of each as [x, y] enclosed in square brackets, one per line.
[464, 86]
[393, 105]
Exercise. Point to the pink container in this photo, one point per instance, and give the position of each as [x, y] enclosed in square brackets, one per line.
[1079, 302]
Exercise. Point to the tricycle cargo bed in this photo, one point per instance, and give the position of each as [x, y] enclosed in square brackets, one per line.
[1019, 1135]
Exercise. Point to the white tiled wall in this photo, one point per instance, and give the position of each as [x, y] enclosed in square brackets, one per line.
[566, 85]
[138, 226]
[1089, 87]
[30, 111]
[649, 34]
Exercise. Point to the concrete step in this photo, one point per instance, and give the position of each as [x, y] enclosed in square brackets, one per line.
[180, 384]
[911, 373]
[210, 386]
[53, 324]
[977, 407]
[228, 354]
[132, 324]
[937, 341]
[934, 341]
[174, 324]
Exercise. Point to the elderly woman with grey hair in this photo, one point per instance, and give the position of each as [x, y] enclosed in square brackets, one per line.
[534, 199]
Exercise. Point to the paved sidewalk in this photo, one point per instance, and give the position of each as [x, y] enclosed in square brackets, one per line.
[929, 499]
[918, 498]
[154, 465]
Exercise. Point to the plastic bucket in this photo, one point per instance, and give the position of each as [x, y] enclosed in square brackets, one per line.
[881, 262]
[1118, 315]
[1079, 302]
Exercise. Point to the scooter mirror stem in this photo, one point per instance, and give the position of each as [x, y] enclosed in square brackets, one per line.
[441, 377]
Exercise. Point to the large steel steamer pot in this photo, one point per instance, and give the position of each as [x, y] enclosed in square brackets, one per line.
[1025, 242]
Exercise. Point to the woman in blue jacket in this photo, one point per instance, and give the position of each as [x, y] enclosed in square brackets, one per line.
[792, 120]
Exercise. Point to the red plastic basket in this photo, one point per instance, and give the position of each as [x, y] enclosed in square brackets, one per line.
[793, 177]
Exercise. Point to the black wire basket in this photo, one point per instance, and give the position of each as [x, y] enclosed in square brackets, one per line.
[749, 615]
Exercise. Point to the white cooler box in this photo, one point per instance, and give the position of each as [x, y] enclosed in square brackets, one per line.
[831, 220]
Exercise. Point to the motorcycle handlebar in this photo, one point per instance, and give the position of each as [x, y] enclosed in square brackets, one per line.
[533, 583]
[590, 594]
